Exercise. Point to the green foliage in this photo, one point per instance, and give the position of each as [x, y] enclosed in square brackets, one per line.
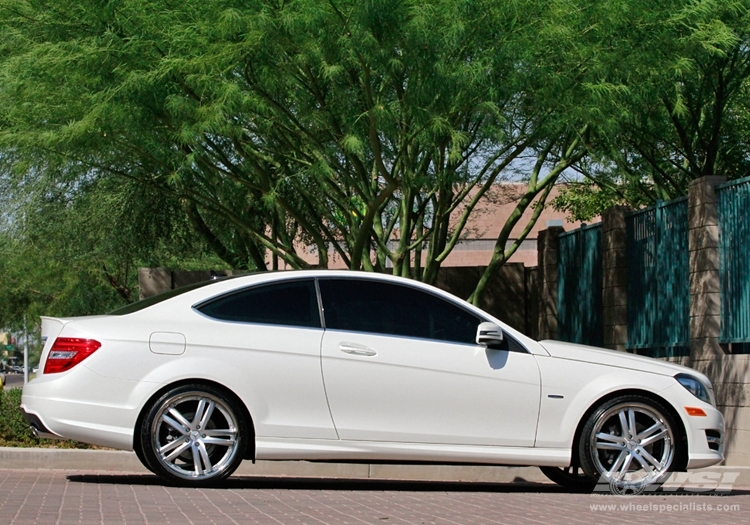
[365, 130]
[584, 200]
[666, 87]
[75, 251]
[339, 125]
[13, 428]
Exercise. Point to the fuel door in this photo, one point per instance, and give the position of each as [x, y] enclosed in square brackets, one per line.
[168, 343]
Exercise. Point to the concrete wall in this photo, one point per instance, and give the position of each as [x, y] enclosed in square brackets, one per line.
[511, 294]
[153, 281]
[730, 375]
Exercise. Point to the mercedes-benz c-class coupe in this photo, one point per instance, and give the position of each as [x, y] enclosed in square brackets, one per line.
[353, 367]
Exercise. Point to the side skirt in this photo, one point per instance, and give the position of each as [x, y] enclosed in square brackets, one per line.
[376, 451]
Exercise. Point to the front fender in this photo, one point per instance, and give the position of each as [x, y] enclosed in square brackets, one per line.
[570, 388]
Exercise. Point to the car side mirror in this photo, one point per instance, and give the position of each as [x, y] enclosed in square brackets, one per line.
[489, 335]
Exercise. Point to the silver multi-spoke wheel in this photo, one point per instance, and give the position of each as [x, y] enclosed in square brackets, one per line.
[194, 436]
[630, 443]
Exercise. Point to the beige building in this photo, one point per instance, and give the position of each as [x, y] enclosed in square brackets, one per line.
[487, 222]
[480, 233]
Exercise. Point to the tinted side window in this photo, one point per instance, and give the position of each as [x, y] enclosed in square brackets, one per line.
[290, 303]
[385, 308]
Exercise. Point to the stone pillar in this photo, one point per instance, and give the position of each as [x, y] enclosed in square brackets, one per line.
[729, 373]
[532, 302]
[705, 301]
[615, 279]
[548, 250]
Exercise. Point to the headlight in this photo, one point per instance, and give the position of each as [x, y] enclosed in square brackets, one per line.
[696, 387]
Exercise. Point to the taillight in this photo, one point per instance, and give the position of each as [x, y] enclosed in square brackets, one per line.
[67, 352]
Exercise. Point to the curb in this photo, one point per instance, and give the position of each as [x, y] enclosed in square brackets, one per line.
[122, 461]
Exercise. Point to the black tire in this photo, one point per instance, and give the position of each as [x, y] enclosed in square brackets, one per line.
[141, 455]
[571, 478]
[194, 435]
[630, 442]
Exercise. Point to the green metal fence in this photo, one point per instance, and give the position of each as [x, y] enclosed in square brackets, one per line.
[658, 280]
[579, 297]
[734, 261]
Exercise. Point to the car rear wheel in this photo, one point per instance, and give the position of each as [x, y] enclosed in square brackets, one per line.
[194, 435]
[630, 442]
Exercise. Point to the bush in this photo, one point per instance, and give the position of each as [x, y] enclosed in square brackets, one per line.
[15, 431]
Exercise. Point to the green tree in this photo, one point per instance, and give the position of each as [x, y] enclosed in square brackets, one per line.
[365, 129]
[68, 251]
[667, 83]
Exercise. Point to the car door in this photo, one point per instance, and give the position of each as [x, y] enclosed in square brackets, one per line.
[400, 365]
[270, 335]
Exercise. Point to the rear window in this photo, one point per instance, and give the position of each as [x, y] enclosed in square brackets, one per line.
[288, 303]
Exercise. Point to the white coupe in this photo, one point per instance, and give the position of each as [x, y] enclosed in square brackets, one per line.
[346, 366]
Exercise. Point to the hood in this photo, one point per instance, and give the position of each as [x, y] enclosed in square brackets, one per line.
[603, 356]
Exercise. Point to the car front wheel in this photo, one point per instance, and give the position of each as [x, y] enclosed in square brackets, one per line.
[630, 442]
[572, 478]
[194, 435]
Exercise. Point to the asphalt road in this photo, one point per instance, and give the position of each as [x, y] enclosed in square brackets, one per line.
[78, 497]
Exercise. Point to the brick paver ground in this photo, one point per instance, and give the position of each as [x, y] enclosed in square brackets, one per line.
[73, 497]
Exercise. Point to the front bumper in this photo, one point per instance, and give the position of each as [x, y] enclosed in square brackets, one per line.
[705, 434]
[705, 439]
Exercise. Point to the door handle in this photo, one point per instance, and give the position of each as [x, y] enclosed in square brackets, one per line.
[354, 349]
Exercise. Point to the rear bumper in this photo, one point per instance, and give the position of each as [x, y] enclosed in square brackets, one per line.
[84, 406]
[37, 427]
